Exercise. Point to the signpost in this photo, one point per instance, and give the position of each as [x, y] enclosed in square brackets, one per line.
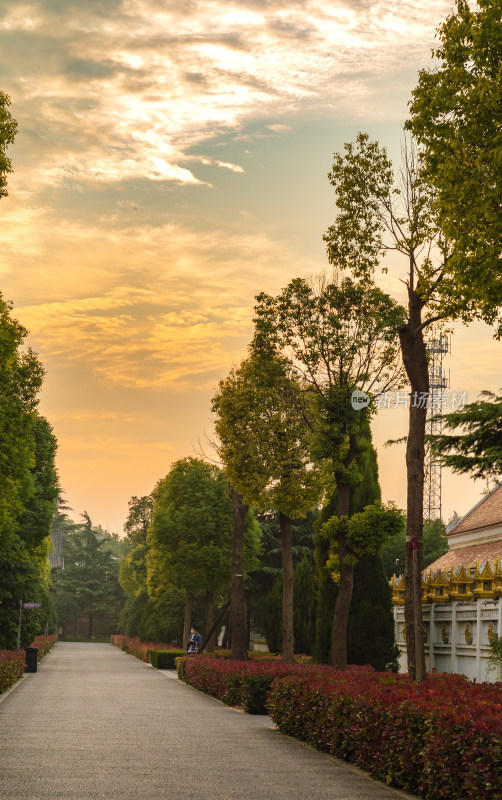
[21, 606]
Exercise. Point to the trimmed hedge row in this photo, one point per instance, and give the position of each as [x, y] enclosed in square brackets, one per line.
[138, 649]
[164, 659]
[237, 683]
[13, 662]
[440, 739]
[44, 644]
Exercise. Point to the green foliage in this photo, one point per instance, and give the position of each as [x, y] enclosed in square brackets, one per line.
[370, 634]
[88, 585]
[264, 439]
[139, 518]
[132, 613]
[435, 541]
[190, 537]
[393, 552]
[455, 117]
[477, 448]
[164, 659]
[28, 484]
[162, 617]
[305, 593]
[264, 586]
[365, 531]
[336, 337]
[435, 544]
[8, 130]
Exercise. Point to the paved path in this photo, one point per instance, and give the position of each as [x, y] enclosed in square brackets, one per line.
[94, 722]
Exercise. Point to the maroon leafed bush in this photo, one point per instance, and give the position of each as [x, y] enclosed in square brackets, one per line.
[11, 667]
[236, 683]
[12, 662]
[136, 648]
[44, 644]
[441, 739]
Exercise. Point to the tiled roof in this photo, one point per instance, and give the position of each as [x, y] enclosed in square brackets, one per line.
[486, 514]
[467, 556]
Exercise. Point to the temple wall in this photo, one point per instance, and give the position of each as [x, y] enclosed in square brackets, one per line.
[457, 636]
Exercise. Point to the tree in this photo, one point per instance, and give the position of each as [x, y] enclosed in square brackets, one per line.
[435, 545]
[8, 130]
[265, 449]
[190, 537]
[477, 447]
[88, 584]
[370, 627]
[375, 216]
[338, 338]
[455, 118]
[133, 572]
[266, 590]
[28, 484]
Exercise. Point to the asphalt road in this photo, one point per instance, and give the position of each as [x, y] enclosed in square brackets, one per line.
[94, 722]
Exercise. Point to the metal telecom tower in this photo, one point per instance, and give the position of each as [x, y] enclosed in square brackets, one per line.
[437, 348]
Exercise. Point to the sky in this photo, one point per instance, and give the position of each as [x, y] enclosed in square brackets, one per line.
[171, 163]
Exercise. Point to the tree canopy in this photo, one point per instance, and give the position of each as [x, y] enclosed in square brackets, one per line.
[8, 130]
[477, 447]
[455, 118]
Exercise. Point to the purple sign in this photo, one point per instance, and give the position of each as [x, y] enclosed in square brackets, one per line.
[31, 605]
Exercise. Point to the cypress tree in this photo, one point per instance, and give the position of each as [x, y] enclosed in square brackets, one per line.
[370, 638]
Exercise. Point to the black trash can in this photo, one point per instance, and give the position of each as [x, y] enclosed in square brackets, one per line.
[31, 659]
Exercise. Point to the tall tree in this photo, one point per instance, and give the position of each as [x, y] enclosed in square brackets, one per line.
[28, 482]
[338, 338]
[132, 575]
[370, 638]
[377, 215]
[455, 118]
[190, 537]
[265, 449]
[88, 584]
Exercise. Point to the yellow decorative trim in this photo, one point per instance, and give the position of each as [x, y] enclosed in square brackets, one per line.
[458, 583]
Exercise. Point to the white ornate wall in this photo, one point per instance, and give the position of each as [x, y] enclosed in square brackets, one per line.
[457, 636]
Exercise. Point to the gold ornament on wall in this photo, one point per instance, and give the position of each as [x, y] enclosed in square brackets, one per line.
[468, 634]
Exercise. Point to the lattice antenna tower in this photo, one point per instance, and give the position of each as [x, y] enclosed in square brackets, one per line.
[438, 346]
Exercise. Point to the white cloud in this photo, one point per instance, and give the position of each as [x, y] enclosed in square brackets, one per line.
[129, 94]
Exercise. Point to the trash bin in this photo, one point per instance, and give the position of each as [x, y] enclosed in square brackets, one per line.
[31, 659]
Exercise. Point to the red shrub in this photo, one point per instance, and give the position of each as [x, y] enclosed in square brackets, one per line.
[11, 667]
[441, 739]
[135, 647]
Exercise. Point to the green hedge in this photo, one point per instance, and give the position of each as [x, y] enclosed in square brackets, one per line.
[164, 659]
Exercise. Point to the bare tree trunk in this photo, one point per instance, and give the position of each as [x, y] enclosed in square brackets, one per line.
[288, 579]
[345, 587]
[89, 625]
[209, 619]
[415, 361]
[238, 607]
[187, 624]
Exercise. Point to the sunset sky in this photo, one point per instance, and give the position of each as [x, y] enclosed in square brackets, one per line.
[171, 163]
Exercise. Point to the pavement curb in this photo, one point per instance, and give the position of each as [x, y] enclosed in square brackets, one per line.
[14, 686]
[356, 770]
[399, 793]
